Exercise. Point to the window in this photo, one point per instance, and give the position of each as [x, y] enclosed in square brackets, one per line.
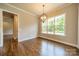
[44, 27]
[59, 24]
[54, 25]
[51, 26]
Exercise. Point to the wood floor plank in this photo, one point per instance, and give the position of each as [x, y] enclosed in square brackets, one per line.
[36, 47]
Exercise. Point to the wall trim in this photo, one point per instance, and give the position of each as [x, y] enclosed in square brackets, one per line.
[1, 30]
[20, 9]
[73, 45]
[21, 40]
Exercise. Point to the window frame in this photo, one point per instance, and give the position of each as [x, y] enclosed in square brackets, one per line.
[64, 14]
[52, 29]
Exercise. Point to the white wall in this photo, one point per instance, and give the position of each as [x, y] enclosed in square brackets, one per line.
[71, 23]
[28, 24]
[28, 27]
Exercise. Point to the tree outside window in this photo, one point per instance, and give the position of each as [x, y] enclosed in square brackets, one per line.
[54, 25]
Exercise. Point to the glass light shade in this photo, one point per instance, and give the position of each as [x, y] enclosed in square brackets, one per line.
[43, 18]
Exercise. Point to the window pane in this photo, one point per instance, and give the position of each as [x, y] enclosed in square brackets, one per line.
[59, 24]
[44, 27]
[51, 25]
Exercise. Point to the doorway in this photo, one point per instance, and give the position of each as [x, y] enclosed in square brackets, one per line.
[10, 32]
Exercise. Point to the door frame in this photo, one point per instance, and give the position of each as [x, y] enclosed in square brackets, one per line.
[2, 24]
[1, 28]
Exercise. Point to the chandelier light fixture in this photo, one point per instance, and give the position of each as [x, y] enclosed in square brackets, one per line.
[43, 16]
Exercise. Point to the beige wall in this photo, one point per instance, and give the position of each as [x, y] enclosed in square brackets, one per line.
[71, 20]
[28, 25]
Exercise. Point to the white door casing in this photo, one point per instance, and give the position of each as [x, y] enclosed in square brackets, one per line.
[1, 28]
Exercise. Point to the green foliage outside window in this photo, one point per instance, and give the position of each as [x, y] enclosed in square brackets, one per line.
[54, 25]
[51, 26]
[59, 25]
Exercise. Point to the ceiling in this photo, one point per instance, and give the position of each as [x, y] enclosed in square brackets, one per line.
[36, 8]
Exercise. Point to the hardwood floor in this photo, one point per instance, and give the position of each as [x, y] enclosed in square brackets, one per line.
[36, 47]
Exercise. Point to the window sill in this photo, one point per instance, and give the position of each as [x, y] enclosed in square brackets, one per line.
[54, 34]
[60, 34]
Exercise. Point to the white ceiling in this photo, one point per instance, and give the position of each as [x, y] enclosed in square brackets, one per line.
[36, 8]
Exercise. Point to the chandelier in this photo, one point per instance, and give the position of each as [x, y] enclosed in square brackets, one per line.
[43, 16]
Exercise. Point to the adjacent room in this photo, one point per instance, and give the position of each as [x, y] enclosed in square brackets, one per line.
[39, 29]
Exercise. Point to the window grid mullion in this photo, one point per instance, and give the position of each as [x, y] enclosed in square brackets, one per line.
[54, 25]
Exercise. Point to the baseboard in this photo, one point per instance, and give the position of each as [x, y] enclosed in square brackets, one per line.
[61, 42]
[50, 39]
[26, 39]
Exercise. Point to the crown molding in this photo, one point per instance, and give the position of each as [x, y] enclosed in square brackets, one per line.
[25, 11]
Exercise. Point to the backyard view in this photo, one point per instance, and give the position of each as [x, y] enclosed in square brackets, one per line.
[54, 25]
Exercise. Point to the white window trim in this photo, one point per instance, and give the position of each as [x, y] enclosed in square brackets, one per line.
[64, 34]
